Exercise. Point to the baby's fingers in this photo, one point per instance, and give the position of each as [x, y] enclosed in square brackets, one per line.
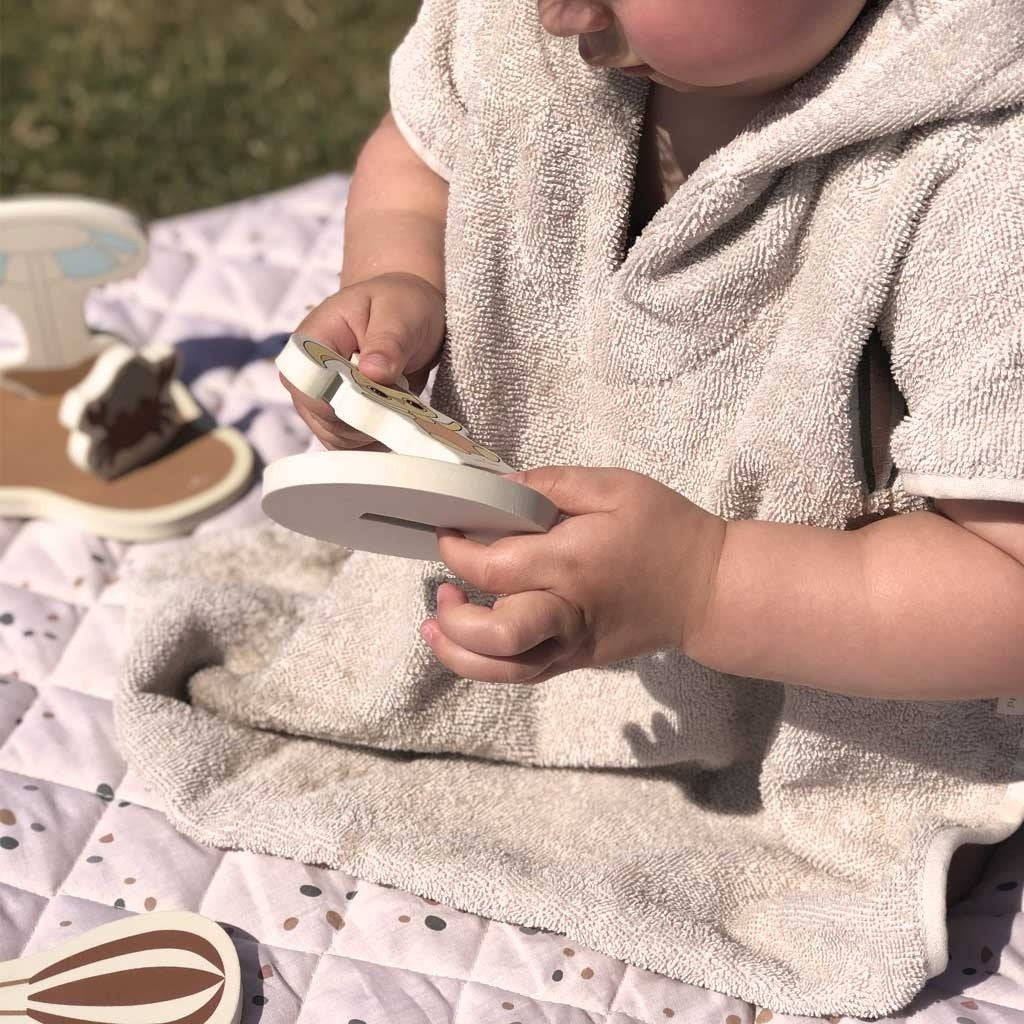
[522, 669]
[335, 435]
[322, 421]
[514, 626]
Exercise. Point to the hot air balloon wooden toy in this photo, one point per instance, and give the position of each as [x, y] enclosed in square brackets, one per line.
[392, 501]
[92, 430]
[168, 967]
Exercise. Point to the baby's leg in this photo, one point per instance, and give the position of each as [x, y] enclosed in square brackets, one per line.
[965, 869]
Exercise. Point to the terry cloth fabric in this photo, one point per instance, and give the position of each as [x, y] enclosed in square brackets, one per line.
[778, 843]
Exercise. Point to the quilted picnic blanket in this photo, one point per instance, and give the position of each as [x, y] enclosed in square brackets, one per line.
[81, 839]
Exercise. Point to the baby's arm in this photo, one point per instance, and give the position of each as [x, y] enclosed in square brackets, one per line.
[396, 212]
[923, 606]
[390, 306]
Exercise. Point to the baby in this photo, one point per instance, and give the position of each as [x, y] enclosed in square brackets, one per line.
[915, 592]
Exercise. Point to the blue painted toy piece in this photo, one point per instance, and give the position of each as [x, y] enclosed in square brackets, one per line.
[53, 249]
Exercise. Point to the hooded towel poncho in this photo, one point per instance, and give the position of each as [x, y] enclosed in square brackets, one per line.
[778, 843]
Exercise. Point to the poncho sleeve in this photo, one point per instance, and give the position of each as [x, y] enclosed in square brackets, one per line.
[426, 69]
[954, 325]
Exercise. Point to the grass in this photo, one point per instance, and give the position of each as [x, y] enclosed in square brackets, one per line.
[172, 105]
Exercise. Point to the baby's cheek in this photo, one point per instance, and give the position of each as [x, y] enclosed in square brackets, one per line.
[700, 42]
[720, 42]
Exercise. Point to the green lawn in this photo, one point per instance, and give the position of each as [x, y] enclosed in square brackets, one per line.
[172, 105]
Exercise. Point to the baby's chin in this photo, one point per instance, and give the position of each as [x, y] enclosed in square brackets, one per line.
[753, 87]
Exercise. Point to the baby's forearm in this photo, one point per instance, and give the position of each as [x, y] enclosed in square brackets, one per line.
[911, 607]
[395, 213]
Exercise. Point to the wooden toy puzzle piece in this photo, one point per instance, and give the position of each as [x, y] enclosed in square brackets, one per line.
[392, 415]
[168, 967]
[121, 413]
[200, 471]
[92, 431]
[392, 502]
[53, 249]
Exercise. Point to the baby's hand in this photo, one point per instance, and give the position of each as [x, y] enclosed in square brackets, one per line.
[396, 323]
[631, 572]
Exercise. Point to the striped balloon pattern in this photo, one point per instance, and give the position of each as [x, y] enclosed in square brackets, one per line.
[166, 976]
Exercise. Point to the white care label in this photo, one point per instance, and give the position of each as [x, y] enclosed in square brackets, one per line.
[1010, 705]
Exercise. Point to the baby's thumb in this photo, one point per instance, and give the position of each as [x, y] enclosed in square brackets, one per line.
[576, 490]
[328, 325]
[385, 349]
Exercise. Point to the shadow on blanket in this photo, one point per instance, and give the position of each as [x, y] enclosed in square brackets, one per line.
[198, 355]
[247, 947]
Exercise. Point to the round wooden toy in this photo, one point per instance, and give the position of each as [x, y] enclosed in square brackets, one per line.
[147, 969]
[392, 502]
